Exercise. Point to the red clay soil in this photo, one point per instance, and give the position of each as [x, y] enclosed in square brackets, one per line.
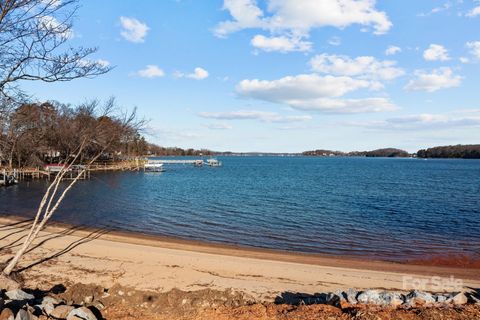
[313, 312]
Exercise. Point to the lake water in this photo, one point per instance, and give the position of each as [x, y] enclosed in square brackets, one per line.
[392, 209]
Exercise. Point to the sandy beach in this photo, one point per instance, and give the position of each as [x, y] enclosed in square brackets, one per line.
[65, 254]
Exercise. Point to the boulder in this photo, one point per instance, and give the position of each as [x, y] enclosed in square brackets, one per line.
[419, 298]
[81, 313]
[370, 297]
[61, 312]
[440, 298]
[458, 299]
[381, 298]
[25, 315]
[51, 300]
[47, 307]
[351, 296]
[393, 299]
[18, 294]
[7, 314]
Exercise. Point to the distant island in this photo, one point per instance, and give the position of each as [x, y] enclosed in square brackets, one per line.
[457, 151]
[386, 152]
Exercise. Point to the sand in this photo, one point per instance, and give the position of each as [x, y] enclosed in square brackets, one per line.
[65, 254]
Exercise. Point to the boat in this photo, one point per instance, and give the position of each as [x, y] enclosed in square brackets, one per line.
[213, 163]
[198, 163]
[7, 180]
[154, 166]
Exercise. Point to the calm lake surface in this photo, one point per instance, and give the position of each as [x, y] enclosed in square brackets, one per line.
[393, 209]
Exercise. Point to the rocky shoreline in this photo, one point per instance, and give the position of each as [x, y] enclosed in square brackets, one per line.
[91, 302]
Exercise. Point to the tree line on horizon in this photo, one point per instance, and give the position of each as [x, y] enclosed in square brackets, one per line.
[456, 151]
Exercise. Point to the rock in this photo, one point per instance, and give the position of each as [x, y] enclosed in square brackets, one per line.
[440, 298]
[8, 284]
[458, 299]
[18, 294]
[61, 312]
[392, 299]
[419, 298]
[51, 300]
[351, 296]
[81, 313]
[382, 298]
[7, 314]
[47, 307]
[370, 297]
[25, 315]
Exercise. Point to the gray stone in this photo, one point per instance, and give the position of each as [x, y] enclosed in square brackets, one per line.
[351, 296]
[47, 307]
[458, 299]
[419, 298]
[7, 314]
[370, 297]
[61, 312]
[440, 298]
[18, 294]
[392, 299]
[51, 300]
[382, 298]
[25, 315]
[82, 313]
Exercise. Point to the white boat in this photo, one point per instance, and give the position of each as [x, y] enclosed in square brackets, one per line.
[214, 163]
[154, 167]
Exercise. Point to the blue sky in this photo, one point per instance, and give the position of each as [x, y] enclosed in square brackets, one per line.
[286, 75]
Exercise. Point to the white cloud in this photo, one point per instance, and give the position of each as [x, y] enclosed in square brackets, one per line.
[263, 116]
[197, 74]
[133, 30]
[52, 24]
[307, 86]
[51, 3]
[282, 44]
[461, 118]
[103, 63]
[151, 71]
[474, 47]
[436, 52]
[285, 18]
[474, 12]
[365, 67]
[392, 50]
[315, 92]
[441, 78]
[328, 105]
[219, 126]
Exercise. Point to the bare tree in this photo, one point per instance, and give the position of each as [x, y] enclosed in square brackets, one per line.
[98, 134]
[33, 36]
